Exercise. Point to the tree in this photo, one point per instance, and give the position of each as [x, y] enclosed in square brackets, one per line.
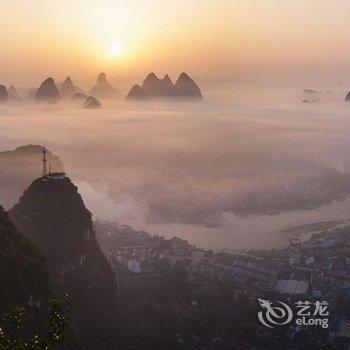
[16, 327]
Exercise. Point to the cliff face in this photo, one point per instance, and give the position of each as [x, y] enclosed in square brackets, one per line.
[23, 270]
[52, 215]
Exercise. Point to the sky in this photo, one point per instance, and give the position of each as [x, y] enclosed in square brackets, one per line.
[260, 39]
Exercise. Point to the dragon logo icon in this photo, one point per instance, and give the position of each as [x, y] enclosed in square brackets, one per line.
[273, 316]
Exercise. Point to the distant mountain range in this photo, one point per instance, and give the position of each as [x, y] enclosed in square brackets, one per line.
[152, 88]
[155, 88]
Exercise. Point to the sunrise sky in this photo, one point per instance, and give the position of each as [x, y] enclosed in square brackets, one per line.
[275, 39]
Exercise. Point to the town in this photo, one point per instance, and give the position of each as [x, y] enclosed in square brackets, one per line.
[205, 295]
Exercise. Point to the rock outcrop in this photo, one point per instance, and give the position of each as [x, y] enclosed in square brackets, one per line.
[310, 92]
[164, 89]
[92, 103]
[12, 91]
[23, 270]
[67, 89]
[52, 215]
[3, 93]
[186, 88]
[347, 97]
[79, 96]
[136, 93]
[158, 88]
[103, 88]
[47, 91]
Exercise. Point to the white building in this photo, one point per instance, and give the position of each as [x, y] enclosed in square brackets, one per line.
[134, 266]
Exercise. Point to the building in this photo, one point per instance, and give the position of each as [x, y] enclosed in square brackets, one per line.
[291, 287]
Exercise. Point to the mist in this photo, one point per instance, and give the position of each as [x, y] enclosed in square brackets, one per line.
[198, 170]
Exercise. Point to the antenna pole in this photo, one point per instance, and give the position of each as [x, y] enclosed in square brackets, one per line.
[44, 171]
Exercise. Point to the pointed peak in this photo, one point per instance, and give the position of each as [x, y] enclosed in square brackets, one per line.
[48, 91]
[167, 78]
[103, 87]
[136, 87]
[184, 76]
[12, 90]
[3, 93]
[187, 88]
[151, 76]
[67, 88]
[136, 93]
[49, 80]
[68, 81]
[102, 78]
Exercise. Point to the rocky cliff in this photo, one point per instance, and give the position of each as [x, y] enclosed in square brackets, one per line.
[23, 270]
[52, 215]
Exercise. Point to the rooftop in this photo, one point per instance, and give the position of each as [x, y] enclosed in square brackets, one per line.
[291, 287]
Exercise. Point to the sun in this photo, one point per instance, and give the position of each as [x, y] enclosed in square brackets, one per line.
[116, 50]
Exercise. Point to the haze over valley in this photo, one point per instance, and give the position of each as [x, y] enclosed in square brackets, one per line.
[226, 173]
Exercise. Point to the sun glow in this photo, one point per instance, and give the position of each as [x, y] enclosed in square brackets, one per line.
[116, 50]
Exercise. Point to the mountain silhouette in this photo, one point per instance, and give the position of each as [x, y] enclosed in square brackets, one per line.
[158, 88]
[91, 103]
[13, 91]
[78, 96]
[3, 93]
[136, 93]
[186, 88]
[154, 88]
[48, 91]
[52, 215]
[102, 87]
[67, 89]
